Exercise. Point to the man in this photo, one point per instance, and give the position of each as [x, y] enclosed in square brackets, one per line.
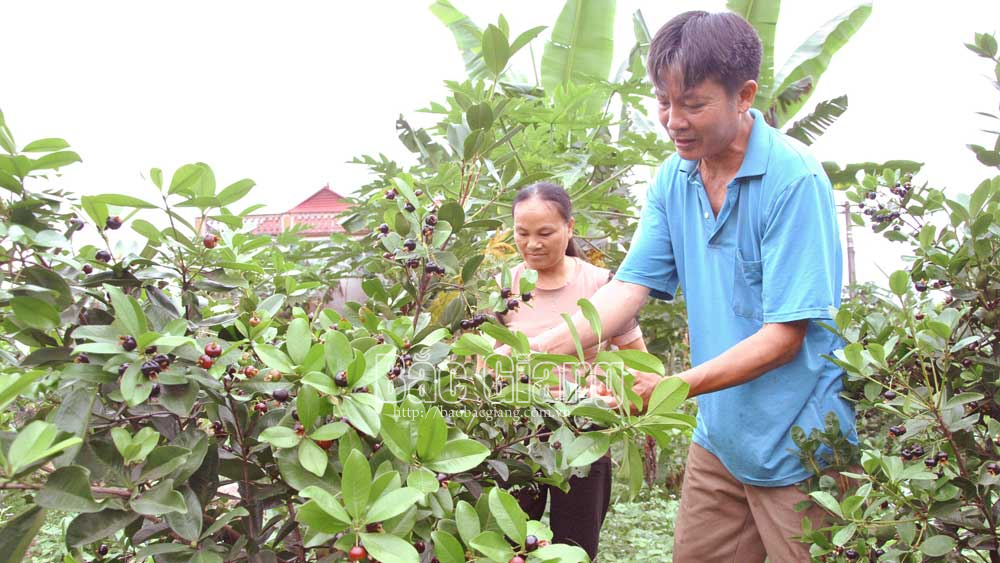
[744, 221]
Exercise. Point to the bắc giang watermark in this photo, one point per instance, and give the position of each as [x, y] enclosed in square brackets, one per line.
[512, 376]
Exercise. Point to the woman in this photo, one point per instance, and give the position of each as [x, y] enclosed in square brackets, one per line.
[543, 233]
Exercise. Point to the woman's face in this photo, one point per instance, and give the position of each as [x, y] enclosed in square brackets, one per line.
[540, 233]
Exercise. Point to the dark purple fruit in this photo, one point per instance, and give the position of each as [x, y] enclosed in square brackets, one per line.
[465, 324]
[897, 430]
[87, 269]
[103, 256]
[513, 304]
[128, 343]
[103, 550]
[81, 358]
[420, 546]
[122, 369]
[505, 293]
[383, 228]
[75, 224]
[150, 369]
[930, 462]
[889, 394]
[162, 360]
[113, 222]
[280, 395]
[431, 220]
[390, 194]
[526, 297]
[341, 379]
[410, 244]
[531, 543]
[920, 286]
[409, 207]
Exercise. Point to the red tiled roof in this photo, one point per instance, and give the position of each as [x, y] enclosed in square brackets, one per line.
[318, 213]
[323, 201]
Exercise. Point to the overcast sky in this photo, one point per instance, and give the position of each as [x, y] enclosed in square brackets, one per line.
[286, 93]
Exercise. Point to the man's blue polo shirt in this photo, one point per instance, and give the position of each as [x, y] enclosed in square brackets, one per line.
[772, 255]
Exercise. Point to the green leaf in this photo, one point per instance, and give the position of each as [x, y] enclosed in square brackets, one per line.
[128, 312]
[467, 35]
[388, 548]
[13, 385]
[582, 44]
[467, 521]
[587, 448]
[392, 504]
[185, 179]
[18, 533]
[525, 38]
[496, 51]
[508, 514]
[159, 500]
[338, 350]
[327, 502]
[360, 409]
[97, 211]
[356, 484]
[187, 524]
[763, 16]
[235, 192]
[451, 212]
[813, 56]
[812, 126]
[590, 313]
[298, 339]
[331, 431]
[637, 360]
[312, 457]
[280, 437]
[45, 145]
[827, 501]
[274, 358]
[470, 344]
[56, 160]
[560, 553]
[492, 545]
[937, 546]
[206, 557]
[667, 396]
[35, 442]
[124, 201]
[68, 489]
[431, 434]
[899, 282]
[459, 455]
[89, 528]
[422, 480]
[447, 548]
[35, 313]
[162, 461]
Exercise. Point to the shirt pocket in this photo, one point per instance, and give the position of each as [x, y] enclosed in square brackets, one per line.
[747, 287]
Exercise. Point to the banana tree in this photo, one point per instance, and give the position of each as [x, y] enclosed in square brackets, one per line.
[783, 93]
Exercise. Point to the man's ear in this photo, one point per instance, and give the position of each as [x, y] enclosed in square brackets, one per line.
[746, 95]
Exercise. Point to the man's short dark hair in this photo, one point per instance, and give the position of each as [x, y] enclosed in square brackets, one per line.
[701, 45]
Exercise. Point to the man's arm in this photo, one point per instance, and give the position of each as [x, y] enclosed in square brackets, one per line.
[617, 303]
[775, 344]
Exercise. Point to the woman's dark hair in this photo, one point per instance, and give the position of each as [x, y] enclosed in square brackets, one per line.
[555, 194]
[722, 46]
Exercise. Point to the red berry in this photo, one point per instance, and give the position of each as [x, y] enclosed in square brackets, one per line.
[210, 241]
[87, 268]
[325, 444]
[357, 552]
[254, 320]
[517, 559]
[260, 407]
[213, 350]
[250, 371]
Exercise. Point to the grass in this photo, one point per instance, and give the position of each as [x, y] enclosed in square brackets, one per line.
[640, 530]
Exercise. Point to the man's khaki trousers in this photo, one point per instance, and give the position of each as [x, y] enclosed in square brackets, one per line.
[722, 520]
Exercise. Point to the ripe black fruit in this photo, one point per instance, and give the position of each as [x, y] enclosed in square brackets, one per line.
[410, 244]
[280, 395]
[341, 379]
[87, 268]
[113, 222]
[431, 220]
[505, 293]
[103, 256]
[128, 343]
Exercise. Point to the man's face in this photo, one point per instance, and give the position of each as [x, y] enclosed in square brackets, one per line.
[703, 120]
